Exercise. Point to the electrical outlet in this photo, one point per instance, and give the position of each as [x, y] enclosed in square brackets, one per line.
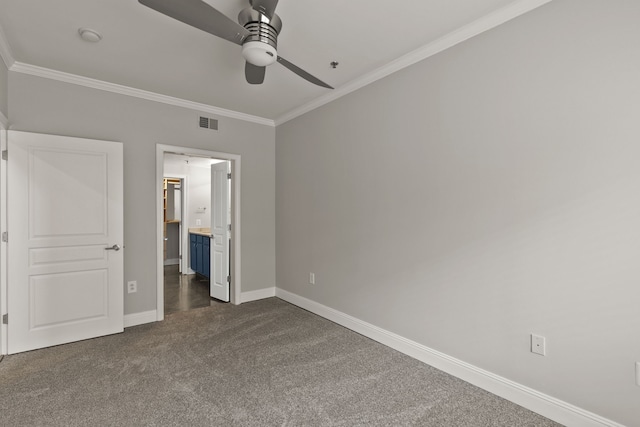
[198, 222]
[538, 345]
[312, 278]
[132, 286]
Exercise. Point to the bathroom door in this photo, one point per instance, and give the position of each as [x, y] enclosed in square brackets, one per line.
[220, 219]
[65, 226]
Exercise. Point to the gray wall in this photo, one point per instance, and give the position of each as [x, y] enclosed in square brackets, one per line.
[47, 106]
[199, 191]
[486, 193]
[173, 243]
[4, 89]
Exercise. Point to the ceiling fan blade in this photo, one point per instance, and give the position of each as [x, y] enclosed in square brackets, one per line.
[202, 16]
[302, 73]
[254, 74]
[266, 7]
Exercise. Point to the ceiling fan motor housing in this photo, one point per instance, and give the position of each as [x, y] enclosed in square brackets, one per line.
[260, 48]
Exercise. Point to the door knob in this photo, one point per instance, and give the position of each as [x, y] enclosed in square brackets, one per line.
[113, 248]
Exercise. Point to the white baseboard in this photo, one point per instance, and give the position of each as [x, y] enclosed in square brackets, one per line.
[140, 318]
[173, 261]
[256, 295]
[547, 406]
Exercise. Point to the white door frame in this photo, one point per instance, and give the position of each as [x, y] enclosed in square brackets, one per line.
[234, 159]
[184, 233]
[4, 124]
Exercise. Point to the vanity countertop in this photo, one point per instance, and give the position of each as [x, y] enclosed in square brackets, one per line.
[203, 231]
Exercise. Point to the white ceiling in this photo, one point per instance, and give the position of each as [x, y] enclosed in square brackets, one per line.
[145, 50]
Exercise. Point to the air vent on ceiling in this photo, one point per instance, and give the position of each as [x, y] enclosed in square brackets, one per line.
[207, 123]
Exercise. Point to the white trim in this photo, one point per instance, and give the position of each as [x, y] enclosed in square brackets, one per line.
[3, 246]
[5, 50]
[172, 261]
[48, 73]
[451, 39]
[136, 319]
[550, 407]
[236, 171]
[184, 237]
[258, 294]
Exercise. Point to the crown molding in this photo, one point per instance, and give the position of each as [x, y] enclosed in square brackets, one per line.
[466, 32]
[61, 76]
[5, 50]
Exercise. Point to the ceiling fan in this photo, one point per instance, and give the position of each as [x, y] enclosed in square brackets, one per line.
[257, 32]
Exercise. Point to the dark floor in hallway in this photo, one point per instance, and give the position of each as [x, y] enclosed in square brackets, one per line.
[184, 292]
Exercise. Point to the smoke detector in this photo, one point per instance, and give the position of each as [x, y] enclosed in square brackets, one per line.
[89, 35]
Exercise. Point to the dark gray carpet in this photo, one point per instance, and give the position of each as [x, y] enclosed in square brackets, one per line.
[265, 363]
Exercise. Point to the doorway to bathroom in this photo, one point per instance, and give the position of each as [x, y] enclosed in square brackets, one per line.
[184, 289]
[197, 255]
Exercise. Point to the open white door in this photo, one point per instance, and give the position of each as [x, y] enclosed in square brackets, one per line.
[65, 225]
[220, 219]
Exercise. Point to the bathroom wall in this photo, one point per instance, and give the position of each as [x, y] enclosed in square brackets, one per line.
[198, 186]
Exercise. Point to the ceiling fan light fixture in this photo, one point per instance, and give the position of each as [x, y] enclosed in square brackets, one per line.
[257, 32]
[259, 54]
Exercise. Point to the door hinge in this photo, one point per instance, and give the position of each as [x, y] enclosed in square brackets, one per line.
[5, 319]
[229, 227]
[229, 176]
[229, 279]
[5, 155]
[5, 236]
